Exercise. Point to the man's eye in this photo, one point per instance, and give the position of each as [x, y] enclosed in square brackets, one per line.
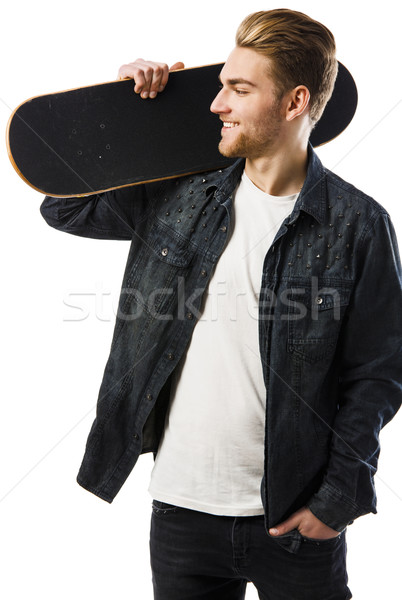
[241, 92]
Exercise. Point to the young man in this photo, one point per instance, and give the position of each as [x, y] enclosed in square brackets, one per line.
[257, 347]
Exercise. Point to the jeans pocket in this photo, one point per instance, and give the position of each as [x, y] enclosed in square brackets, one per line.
[290, 541]
[322, 542]
[160, 509]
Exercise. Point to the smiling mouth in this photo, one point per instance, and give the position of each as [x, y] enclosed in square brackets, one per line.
[229, 124]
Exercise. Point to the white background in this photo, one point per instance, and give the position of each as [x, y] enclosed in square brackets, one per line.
[57, 540]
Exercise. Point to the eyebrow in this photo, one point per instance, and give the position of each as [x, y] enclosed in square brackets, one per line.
[238, 80]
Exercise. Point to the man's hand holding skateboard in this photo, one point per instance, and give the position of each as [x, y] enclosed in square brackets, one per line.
[150, 77]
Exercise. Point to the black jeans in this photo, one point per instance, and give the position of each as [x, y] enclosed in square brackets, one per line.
[199, 556]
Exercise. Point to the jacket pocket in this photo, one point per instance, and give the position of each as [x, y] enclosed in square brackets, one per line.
[154, 281]
[314, 320]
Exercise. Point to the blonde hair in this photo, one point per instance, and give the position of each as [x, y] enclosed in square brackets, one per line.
[301, 52]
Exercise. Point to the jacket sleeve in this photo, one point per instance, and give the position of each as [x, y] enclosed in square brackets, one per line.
[370, 380]
[111, 215]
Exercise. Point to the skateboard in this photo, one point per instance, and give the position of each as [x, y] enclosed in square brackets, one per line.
[101, 137]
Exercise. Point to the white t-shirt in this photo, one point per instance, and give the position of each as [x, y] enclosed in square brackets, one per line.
[211, 455]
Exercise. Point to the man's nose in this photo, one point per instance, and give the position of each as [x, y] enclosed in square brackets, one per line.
[219, 105]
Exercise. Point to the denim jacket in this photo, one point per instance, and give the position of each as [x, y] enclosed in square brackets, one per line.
[330, 332]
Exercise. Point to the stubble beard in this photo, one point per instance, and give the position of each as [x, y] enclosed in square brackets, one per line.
[258, 142]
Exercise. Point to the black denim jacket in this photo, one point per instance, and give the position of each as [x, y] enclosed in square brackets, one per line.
[330, 332]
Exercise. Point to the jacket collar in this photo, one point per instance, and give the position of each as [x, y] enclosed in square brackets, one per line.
[224, 187]
[312, 195]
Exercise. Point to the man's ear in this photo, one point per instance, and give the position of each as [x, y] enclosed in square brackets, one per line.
[298, 102]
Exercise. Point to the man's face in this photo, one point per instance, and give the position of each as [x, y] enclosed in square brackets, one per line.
[248, 107]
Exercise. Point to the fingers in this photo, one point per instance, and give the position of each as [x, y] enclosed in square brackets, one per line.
[150, 77]
[283, 528]
[292, 522]
[177, 66]
[307, 524]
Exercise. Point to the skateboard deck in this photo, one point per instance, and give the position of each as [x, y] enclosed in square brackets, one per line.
[92, 139]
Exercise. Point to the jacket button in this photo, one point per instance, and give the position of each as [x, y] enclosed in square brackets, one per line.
[223, 228]
[189, 315]
[136, 436]
[170, 356]
[203, 273]
[318, 300]
[149, 397]
[164, 252]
